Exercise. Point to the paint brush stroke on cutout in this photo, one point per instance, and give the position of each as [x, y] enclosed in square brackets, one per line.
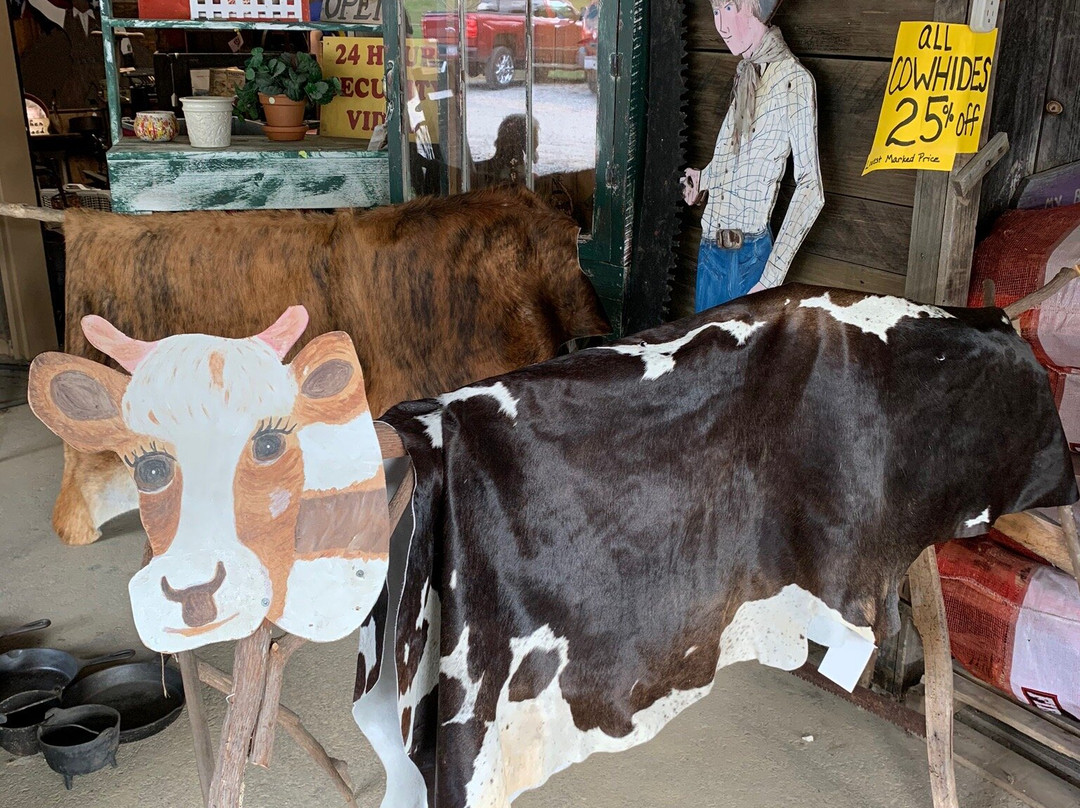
[260, 483]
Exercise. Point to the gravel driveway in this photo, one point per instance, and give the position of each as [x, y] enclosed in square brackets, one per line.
[565, 111]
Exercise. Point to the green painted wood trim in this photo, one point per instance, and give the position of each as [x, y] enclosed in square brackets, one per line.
[312, 146]
[396, 135]
[146, 180]
[246, 25]
[112, 76]
[606, 256]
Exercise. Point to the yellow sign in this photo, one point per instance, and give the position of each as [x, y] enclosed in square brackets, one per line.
[935, 97]
[359, 63]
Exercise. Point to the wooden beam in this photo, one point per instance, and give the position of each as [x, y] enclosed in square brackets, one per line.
[987, 157]
[389, 441]
[249, 678]
[25, 300]
[928, 216]
[1013, 774]
[1008, 712]
[262, 745]
[1038, 534]
[961, 215]
[1072, 541]
[928, 610]
[200, 728]
[336, 769]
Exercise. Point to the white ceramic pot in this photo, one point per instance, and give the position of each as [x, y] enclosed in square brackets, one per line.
[209, 121]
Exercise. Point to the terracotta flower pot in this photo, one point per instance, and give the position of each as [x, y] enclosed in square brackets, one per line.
[281, 110]
[285, 132]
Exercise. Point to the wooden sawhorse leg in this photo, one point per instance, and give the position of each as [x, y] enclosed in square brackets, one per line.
[928, 611]
[254, 700]
[200, 728]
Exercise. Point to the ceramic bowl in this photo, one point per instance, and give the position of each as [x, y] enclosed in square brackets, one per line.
[155, 125]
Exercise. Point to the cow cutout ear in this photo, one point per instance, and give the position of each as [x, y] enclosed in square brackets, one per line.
[79, 400]
[330, 381]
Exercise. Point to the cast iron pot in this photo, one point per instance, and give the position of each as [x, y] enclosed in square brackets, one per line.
[31, 681]
[20, 715]
[86, 124]
[79, 740]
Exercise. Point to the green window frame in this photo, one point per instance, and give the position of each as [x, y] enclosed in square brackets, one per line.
[621, 61]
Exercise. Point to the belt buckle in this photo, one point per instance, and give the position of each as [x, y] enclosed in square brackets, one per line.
[730, 239]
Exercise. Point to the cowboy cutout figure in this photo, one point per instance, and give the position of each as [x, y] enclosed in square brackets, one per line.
[773, 113]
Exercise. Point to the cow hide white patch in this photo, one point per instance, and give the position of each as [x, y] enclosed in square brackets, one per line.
[774, 632]
[376, 713]
[498, 391]
[456, 666]
[659, 358]
[427, 668]
[532, 740]
[981, 519]
[873, 315]
[432, 422]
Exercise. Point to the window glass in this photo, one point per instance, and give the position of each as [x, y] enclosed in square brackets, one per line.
[469, 91]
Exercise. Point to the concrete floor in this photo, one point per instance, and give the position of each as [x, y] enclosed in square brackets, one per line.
[741, 747]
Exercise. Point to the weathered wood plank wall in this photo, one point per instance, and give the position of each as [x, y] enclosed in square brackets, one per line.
[1038, 62]
[860, 240]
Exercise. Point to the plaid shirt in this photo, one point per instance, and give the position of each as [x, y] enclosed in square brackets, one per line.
[743, 186]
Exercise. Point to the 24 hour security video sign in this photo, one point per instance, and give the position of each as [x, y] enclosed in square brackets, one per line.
[935, 97]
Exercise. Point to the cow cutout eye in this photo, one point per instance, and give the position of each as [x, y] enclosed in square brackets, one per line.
[153, 472]
[268, 446]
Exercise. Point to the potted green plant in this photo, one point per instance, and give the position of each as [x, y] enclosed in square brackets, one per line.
[283, 85]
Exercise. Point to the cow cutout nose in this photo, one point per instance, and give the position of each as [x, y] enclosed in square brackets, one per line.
[196, 602]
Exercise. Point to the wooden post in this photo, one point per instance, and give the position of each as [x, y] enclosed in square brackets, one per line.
[337, 770]
[928, 610]
[1072, 541]
[200, 729]
[1044, 293]
[249, 678]
[26, 316]
[262, 747]
[946, 208]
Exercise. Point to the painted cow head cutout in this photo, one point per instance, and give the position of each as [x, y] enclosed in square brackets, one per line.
[260, 484]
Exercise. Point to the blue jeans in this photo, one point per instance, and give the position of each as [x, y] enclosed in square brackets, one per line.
[724, 275]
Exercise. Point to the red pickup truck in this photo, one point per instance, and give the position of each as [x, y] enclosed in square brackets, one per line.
[495, 38]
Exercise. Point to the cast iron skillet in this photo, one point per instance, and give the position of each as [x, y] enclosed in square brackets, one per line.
[148, 696]
[45, 669]
[37, 625]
